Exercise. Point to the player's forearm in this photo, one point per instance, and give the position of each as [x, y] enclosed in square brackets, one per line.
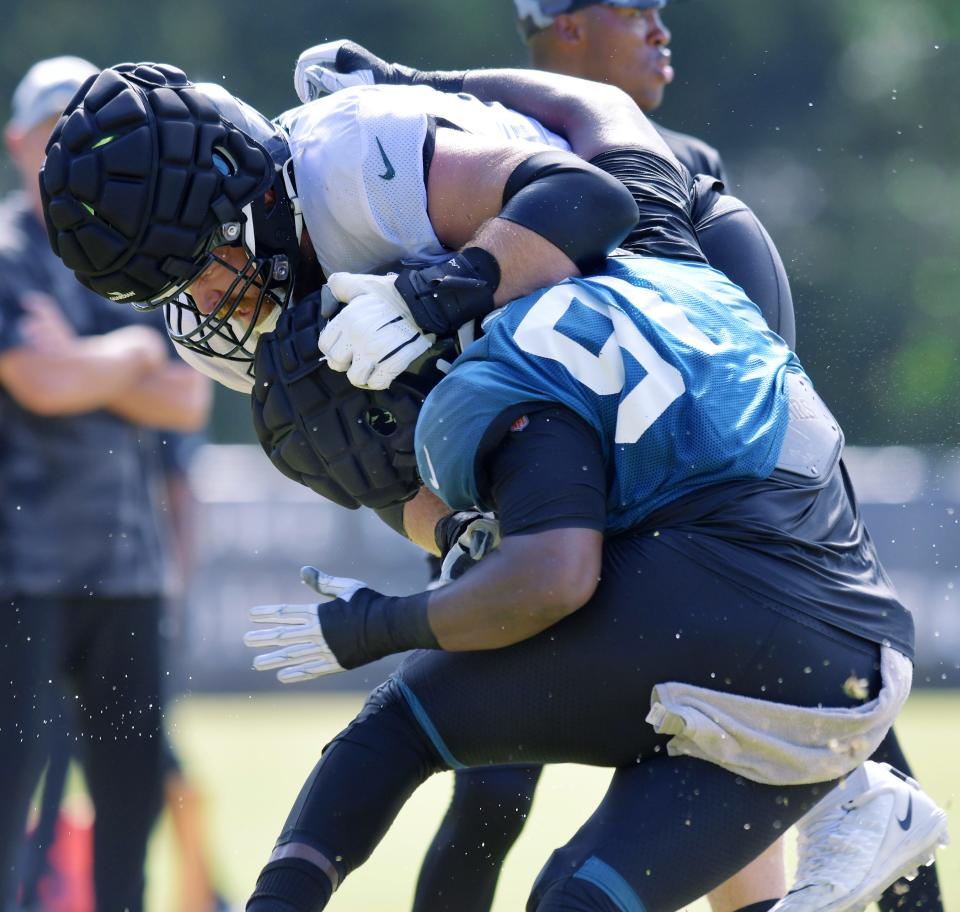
[173, 397]
[528, 585]
[542, 217]
[525, 586]
[527, 261]
[593, 117]
[82, 379]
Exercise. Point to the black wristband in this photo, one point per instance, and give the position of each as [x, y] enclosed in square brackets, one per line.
[444, 297]
[371, 626]
[441, 80]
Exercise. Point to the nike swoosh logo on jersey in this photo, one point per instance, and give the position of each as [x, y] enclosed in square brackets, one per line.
[389, 174]
[433, 480]
[905, 823]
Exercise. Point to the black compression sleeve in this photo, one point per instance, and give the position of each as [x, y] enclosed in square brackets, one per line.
[543, 469]
[735, 242]
[577, 207]
[662, 191]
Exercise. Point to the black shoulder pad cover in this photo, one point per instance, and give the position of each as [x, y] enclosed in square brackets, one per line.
[352, 446]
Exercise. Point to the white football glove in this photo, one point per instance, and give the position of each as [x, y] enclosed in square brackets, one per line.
[374, 339]
[303, 653]
[317, 75]
[477, 540]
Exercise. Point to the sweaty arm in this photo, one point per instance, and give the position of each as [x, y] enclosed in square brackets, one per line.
[593, 117]
[547, 484]
[546, 481]
[542, 219]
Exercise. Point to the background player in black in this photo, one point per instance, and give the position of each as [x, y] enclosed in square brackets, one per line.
[624, 43]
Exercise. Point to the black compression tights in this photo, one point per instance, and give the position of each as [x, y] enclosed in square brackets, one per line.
[347, 805]
[578, 693]
[489, 809]
[653, 809]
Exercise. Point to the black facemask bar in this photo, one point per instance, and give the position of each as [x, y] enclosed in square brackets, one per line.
[275, 231]
[220, 333]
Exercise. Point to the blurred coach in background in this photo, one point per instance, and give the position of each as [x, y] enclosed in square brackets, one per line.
[85, 384]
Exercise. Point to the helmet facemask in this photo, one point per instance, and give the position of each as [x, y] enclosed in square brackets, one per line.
[268, 235]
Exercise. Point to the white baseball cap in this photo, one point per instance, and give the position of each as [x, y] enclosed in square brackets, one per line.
[47, 89]
[534, 15]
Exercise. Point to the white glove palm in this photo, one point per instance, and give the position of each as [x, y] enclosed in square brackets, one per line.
[303, 653]
[374, 339]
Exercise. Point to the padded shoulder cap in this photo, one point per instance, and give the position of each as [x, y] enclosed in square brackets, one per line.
[352, 446]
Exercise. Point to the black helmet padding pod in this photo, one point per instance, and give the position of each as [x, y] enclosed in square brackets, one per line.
[350, 445]
[131, 196]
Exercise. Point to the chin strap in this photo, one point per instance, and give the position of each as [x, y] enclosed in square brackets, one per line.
[290, 185]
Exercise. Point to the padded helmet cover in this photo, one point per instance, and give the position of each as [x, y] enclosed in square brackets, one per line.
[352, 446]
[131, 196]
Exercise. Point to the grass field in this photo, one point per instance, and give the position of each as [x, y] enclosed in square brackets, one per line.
[250, 755]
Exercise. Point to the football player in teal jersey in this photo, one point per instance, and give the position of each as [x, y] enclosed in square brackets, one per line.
[673, 509]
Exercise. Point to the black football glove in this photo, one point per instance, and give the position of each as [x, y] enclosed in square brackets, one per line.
[463, 539]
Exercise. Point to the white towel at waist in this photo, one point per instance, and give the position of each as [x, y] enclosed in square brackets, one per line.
[775, 743]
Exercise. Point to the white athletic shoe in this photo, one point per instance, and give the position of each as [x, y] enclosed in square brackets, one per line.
[870, 831]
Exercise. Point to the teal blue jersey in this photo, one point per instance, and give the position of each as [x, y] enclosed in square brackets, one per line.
[668, 361]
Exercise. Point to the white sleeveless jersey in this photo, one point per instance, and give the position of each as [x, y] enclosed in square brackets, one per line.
[358, 164]
[358, 159]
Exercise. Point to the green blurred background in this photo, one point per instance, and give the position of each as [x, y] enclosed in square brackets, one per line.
[267, 773]
[839, 121]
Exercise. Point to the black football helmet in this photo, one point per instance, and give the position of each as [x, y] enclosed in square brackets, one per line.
[147, 175]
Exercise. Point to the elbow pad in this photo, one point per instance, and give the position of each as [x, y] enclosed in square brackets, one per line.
[576, 206]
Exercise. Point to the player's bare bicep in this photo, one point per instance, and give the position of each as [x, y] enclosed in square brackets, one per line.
[467, 177]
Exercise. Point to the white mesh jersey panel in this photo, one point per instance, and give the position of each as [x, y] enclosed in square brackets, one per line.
[358, 161]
